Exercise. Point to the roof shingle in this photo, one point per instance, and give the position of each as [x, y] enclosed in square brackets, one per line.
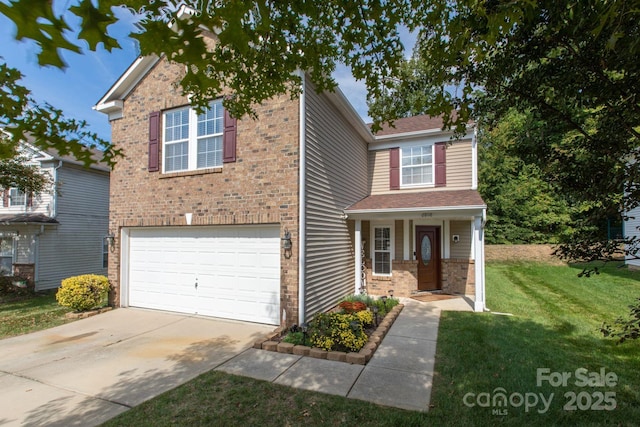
[421, 200]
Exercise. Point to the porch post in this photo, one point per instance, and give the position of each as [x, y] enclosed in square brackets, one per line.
[358, 256]
[478, 237]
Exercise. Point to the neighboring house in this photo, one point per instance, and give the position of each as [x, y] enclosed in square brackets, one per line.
[50, 236]
[266, 220]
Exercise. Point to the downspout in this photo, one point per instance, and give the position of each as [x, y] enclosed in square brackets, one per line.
[54, 197]
[474, 159]
[302, 201]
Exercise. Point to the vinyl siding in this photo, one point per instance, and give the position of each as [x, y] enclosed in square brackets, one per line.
[459, 162]
[459, 169]
[41, 203]
[336, 177]
[462, 249]
[75, 245]
[379, 171]
[631, 230]
[398, 240]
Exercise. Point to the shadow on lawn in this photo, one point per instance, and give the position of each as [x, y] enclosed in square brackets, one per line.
[483, 353]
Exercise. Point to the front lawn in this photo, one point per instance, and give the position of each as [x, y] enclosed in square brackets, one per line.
[30, 313]
[554, 327]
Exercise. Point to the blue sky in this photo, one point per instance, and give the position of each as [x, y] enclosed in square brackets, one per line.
[89, 76]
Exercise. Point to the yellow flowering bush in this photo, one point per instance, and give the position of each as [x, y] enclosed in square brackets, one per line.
[83, 292]
[365, 316]
[337, 331]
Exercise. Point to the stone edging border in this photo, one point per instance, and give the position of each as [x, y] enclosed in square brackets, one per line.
[85, 314]
[355, 358]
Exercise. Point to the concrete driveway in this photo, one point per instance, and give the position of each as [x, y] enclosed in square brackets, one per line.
[89, 371]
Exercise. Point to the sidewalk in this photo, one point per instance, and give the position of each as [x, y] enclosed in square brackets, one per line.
[399, 374]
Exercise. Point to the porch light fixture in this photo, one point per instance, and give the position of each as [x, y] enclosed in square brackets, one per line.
[390, 293]
[286, 244]
[384, 301]
[111, 241]
[375, 314]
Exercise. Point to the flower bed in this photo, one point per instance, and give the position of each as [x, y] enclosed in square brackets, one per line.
[349, 333]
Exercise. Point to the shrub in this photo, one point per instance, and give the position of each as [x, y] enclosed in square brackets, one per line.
[385, 306]
[83, 292]
[337, 331]
[352, 306]
[295, 338]
[10, 290]
[365, 316]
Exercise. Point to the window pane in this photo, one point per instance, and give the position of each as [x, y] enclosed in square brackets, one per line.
[210, 123]
[417, 164]
[6, 247]
[209, 152]
[6, 256]
[17, 197]
[382, 263]
[176, 156]
[176, 125]
[382, 242]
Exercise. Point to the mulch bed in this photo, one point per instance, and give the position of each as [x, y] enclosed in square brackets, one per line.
[273, 342]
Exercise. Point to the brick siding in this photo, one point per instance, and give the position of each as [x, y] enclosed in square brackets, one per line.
[457, 278]
[261, 187]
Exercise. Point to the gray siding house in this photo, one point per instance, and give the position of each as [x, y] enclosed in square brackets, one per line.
[60, 233]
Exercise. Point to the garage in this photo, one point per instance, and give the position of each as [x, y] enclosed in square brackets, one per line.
[227, 272]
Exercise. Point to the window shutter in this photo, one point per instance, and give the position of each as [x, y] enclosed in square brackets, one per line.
[441, 164]
[394, 168]
[229, 138]
[5, 197]
[154, 141]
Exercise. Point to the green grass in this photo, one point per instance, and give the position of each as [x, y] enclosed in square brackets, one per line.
[555, 324]
[21, 315]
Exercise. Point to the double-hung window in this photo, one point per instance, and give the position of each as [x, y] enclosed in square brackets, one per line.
[6, 256]
[191, 140]
[17, 197]
[417, 165]
[382, 250]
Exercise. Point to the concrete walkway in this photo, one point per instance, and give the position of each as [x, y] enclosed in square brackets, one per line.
[86, 372]
[399, 374]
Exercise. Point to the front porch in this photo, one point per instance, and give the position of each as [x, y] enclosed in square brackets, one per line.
[457, 278]
[413, 242]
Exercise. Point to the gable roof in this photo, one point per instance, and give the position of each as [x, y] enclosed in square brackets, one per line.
[411, 124]
[52, 154]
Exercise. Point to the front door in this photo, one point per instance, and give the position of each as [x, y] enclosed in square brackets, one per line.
[428, 256]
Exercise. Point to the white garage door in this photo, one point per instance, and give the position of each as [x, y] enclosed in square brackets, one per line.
[229, 272]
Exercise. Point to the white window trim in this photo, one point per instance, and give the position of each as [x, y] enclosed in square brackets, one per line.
[372, 239]
[433, 166]
[192, 139]
[11, 204]
[13, 252]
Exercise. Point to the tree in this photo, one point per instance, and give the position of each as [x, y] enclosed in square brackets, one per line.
[521, 206]
[574, 66]
[260, 45]
[16, 173]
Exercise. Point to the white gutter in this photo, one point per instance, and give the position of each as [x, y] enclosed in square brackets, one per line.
[414, 209]
[302, 200]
